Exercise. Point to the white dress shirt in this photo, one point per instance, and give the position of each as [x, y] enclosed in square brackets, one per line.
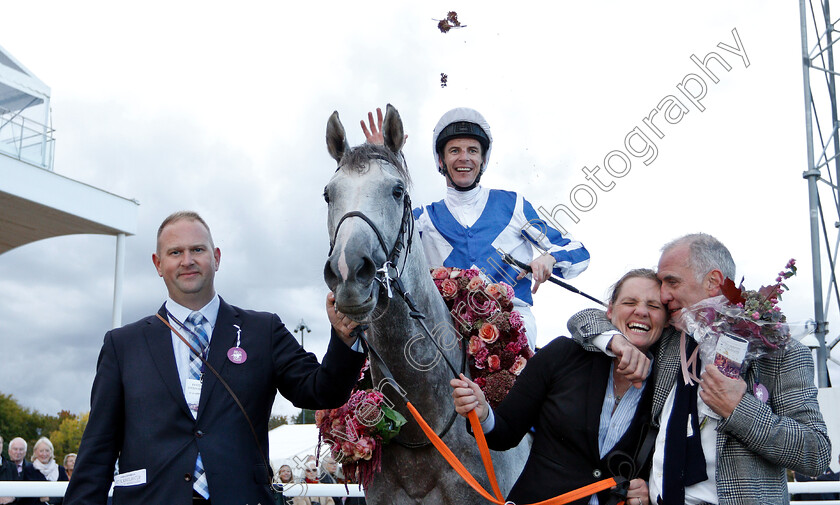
[182, 352]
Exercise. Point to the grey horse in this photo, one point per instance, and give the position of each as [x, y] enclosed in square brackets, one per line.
[368, 207]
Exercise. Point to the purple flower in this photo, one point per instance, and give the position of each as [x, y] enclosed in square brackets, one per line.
[756, 315]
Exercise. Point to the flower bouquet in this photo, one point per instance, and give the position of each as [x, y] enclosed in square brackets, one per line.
[484, 316]
[748, 323]
[356, 432]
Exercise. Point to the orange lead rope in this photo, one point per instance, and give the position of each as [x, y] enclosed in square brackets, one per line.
[459, 467]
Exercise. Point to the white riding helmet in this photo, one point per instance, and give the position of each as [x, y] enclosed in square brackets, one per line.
[462, 122]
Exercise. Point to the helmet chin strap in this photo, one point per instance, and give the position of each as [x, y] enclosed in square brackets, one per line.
[457, 187]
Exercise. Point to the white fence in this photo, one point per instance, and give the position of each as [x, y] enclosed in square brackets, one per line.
[37, 489]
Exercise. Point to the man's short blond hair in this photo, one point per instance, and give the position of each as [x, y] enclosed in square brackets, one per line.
[180, 216]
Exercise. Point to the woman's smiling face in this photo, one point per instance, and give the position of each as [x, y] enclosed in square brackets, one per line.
[638, 312]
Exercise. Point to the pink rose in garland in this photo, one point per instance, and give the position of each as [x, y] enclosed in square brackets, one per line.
[475, 284]
[440, 273]
[448, 288]
[476, 345]
[497, 347]
[488, 333]
[495, 291]
[518, 365]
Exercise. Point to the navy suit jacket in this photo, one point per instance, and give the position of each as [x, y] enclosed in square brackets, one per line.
[139, 414]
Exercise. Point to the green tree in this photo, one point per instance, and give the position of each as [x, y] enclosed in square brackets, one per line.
[305, 416]
[67, 437]
[276, 421]
[14, 419]
[19, 421]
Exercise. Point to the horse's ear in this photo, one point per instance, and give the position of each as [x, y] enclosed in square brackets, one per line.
[392, 129]
[336, 137]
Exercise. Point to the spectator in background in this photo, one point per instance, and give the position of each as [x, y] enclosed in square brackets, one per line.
[283, 476]
[69, 463]
[331, 474]
[44, 468]
[310, 476]
[8, 471]
[17, 453]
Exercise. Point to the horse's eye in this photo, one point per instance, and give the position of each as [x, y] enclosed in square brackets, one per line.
[326, 196]
[399, 191]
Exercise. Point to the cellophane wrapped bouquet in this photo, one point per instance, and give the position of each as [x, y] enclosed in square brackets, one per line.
[751, 315]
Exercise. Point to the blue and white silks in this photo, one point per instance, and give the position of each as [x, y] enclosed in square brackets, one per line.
[468, 229]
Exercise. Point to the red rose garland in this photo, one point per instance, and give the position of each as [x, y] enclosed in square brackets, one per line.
[483, 314]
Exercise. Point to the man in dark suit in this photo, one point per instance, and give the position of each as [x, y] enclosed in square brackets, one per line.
[180, 436]
[8, 471]
[17, 455]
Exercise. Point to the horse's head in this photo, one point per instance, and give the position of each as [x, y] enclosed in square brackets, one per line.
[369, 218]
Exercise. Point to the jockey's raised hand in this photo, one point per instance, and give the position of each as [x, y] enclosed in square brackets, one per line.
[468, 397]
[374, 134]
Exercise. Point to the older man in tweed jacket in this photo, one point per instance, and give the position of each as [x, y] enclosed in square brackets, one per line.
[754, 442]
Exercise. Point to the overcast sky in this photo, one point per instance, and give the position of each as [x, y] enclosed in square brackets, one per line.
[222, 109]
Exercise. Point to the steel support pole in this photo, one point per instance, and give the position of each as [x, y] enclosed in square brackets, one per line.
[813, 175]
[119, 268]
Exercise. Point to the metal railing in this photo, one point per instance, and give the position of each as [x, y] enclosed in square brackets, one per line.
[25, 139]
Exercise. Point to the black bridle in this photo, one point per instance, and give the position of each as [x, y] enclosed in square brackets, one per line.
[389, 271]
[390, 281]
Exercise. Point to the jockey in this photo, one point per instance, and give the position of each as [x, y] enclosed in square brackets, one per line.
[469, 227]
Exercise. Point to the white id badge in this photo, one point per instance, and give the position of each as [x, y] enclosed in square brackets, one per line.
[134, 478]
[192, 392]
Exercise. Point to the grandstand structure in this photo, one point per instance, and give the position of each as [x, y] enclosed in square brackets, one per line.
[36, 203]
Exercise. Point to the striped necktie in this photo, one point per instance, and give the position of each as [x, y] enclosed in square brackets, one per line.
[199, 341]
